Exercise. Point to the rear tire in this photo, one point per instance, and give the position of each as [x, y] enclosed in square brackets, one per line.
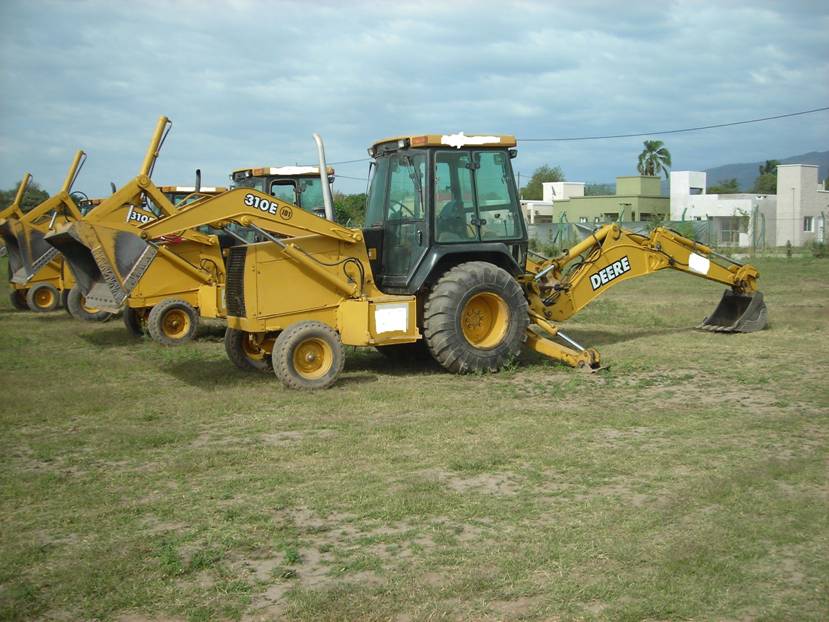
[244, 352]
[475, 318]
[308, 355]
[43, 298]
[17, 298]
[76, 303]
[172, 322]
[135, 321]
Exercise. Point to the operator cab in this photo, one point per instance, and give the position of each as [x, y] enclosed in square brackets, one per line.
[437, 200]
[300, 185]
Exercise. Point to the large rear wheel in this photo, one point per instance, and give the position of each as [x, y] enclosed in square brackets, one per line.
[76, 303]
[43, 298]
[308, 355]
[475, 318]
[246, 350]
[172, 322]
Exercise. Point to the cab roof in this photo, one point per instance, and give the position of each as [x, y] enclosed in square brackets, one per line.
[285, 171]
[189, 189]
[459, 140]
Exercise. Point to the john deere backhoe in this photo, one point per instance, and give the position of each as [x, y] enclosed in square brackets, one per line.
[442, 261]
[37, 274]
[167, 286]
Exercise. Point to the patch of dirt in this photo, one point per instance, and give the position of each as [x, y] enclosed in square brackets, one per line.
[140, 617]
[294, 436]
[499, 483]
[507, 609]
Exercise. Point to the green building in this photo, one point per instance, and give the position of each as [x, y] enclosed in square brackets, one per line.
[637, 198]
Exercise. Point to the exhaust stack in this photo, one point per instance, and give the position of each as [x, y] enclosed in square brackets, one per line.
[327, 200]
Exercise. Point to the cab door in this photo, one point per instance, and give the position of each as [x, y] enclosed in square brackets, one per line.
[405, 233]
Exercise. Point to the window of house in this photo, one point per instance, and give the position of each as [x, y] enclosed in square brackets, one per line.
[695, 191]
[597, 219]
[808, 223]
[582, 219]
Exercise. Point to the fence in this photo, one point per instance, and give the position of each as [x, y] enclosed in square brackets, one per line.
[564, 235]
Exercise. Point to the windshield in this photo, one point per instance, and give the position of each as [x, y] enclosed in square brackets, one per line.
[257, 183]
[310, 194]
[474, 198]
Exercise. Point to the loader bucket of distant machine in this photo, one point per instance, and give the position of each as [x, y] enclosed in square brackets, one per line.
[27, 253]
[737, 313]
[106, 262]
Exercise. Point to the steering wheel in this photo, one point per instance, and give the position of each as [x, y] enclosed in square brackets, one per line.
[404, 209]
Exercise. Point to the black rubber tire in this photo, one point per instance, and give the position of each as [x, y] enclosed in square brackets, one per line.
[294, 336]
[406, 352]
[158, 315]
[38, 289]
[442, 318]
[134, 321]
[235, 348]
[75, 303]
[17, 298]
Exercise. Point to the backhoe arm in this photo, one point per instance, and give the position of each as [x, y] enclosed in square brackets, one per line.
[558, 288]
[566, 284]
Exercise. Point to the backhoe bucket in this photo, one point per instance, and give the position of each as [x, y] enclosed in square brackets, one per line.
[737, 313]
[106, 263]
[27, 253]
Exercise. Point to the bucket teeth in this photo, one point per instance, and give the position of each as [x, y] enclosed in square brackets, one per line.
[737, 313]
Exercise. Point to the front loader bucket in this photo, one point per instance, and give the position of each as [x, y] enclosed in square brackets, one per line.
[27, 248]
[737, 313]
[107, 263]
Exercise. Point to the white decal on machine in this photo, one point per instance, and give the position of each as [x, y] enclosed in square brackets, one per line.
[698, 263]
[608, 273]
[251, 200]
[460, 140]
[391, 317]
[138, 217]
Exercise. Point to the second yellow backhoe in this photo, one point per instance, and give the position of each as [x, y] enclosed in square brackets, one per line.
[441, 267]
[165, 288]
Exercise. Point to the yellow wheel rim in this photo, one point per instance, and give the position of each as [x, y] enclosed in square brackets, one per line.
[253, 349]
[313, 358]
[484, 320]
[87, 308]
[44, 297]
[175, 324]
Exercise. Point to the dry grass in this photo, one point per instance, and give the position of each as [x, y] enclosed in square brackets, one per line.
[689, 481]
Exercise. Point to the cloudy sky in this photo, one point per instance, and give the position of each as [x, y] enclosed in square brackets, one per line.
[246, 83]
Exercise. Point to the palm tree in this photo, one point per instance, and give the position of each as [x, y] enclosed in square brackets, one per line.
[655, 158]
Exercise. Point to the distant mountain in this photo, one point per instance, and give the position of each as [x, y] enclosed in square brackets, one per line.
[745, 174]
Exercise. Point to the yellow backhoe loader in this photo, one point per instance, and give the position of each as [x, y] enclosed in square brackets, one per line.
[38, 277]
[181, 278]
[442, 264]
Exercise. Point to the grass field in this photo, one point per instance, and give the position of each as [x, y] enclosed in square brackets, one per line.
[687, 482]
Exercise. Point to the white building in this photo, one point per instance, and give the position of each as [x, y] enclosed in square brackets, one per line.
[737, 219]
[537, 212]
[802, 205]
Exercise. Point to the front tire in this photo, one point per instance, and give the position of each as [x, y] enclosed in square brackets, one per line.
[76, 303]
[172, 322]
[475, 318]
[245, 352]
[43, 298]
[17, 298]
[308, 355]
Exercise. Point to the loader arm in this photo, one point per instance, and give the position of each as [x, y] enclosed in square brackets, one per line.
[14, 210]
[246, 207]
[560, 287]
